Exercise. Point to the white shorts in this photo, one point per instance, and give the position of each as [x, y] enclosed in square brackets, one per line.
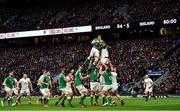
[44, 91]
[104, 60]
[15, 91]
[107, 88]
[7, 89]
[81, 89]
[69, 91]
[94, 86]
[66, 90]
[114, 87]
[25, 91]
[148, 90]
[94, 52]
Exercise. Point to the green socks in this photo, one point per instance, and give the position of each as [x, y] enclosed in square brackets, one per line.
[4, 100]
[109, 100]
[96, 98]
[104, 99]
[91, 99]
[64, 99]
[82, 99]
[69, 101]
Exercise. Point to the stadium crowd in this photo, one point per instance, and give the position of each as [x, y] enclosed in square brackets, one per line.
[87, 13]
[132, 57]
[172, 83]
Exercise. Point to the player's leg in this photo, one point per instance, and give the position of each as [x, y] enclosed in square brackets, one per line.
[119, 98]
[28, 95]
[16, 92]
[84, 92]
[6, 97]
[19, 96]
[69, 97]
[96, 97]
[104, 98]
[40, 100]
[110, 98]
[10, 98]
[115, 91]
[92, 85]
[109, 93]
[64, 97]
[47, 96]
[97, 92]
[60, 97]
[146, 95]
[152, 95]
[104, 94]
[63, 100]
[18, 101]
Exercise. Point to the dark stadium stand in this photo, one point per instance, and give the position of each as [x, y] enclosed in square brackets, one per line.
[96, 12]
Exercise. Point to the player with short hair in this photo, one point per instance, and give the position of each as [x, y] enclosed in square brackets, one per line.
[78, 84]
[108, 84]
[148, 84]
[61, 86]
[45, 82]
[94, 84]
[9, 84]
[63, 81]
[26, 87]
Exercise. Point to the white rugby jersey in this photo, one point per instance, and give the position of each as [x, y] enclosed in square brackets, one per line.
[148, 82]
[104, 53]
[24, 83]
[114, 77]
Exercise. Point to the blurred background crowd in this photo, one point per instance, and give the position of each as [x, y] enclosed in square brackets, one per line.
[86, 13]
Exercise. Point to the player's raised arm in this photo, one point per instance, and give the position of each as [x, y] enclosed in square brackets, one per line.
[100, 70]
[111, 66]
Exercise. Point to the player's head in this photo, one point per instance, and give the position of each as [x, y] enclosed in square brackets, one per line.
[115, 69]
[146, 77]
[48, 73]
[62, 70]
[24, 76]
[99, 37]
[71, 73]
[45, 72]
[11, 73]
[80, 67]
[108, 70]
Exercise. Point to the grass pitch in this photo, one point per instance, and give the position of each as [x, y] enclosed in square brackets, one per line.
[131, 104]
